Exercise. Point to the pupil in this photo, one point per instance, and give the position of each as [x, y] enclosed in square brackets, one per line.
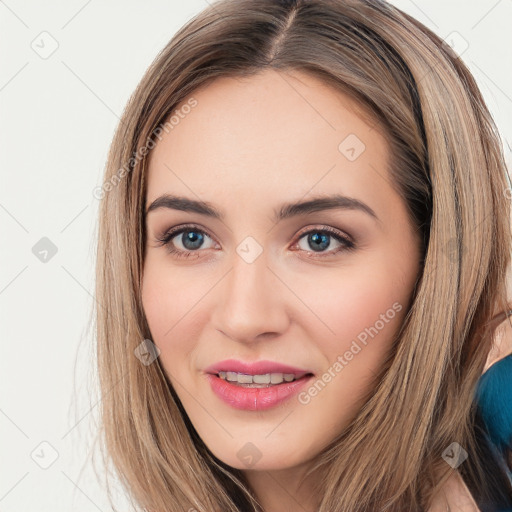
[319, 241]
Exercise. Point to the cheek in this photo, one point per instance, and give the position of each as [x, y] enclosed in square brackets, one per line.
[349, 303]
[170, 301]
[356, 318]
[364, 308]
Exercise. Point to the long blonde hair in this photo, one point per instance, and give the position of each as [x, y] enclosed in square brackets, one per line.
[447, 164]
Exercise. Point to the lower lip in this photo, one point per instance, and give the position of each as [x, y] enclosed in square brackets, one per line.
[255, 399]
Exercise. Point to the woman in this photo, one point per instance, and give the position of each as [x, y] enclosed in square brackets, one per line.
[303, 243]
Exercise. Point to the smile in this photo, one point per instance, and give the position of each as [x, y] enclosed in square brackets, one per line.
[254, 396]
[255, 381]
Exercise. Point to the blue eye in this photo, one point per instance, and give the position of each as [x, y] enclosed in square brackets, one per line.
[321, 239]
[192, 239]
[189, 237]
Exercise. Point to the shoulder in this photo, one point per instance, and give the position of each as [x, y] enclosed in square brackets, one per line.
[502, 343]
[454, 495]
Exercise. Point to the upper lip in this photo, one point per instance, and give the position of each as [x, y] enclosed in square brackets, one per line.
[256, 368]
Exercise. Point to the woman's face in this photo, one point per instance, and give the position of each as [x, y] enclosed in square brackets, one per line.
[319, 289]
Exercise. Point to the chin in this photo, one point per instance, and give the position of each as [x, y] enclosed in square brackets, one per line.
[259, 456]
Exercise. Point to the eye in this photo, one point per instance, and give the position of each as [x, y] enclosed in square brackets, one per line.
[188, 240]
[184, 241]
[321, 238]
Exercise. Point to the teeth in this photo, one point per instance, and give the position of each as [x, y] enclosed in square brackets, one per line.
[244, 379]
[264, 379]
[267, 378]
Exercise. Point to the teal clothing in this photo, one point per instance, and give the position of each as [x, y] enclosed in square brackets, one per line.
[494, 398]
[494, 395]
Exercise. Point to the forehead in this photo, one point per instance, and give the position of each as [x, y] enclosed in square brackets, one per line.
[268, 136]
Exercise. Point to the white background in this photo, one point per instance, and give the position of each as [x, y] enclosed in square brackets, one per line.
[58, 117]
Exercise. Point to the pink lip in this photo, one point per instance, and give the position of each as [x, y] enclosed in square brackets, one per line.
[255, 399]
[257, 368]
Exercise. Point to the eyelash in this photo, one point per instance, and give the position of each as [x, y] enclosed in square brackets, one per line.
[165, 240]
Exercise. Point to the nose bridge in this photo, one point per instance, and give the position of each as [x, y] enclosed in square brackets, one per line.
[248, 279]
[249, 304]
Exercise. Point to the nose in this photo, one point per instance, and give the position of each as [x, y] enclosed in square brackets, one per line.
[251, 303]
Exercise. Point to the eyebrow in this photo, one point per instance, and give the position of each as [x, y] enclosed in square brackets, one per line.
[286, 211]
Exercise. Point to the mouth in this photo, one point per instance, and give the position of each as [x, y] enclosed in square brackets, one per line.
[256, 374]
[256, 386]
[264, 380]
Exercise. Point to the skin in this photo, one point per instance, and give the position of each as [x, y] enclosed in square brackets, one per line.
[454, 496]
[502, 345]
[249, 146]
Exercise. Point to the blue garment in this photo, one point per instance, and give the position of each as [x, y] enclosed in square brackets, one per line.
[494, 397]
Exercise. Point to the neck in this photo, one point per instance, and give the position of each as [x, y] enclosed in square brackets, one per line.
[284, 490]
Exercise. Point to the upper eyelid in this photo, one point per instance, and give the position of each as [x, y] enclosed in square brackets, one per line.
[168, 234]
[172, 232]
